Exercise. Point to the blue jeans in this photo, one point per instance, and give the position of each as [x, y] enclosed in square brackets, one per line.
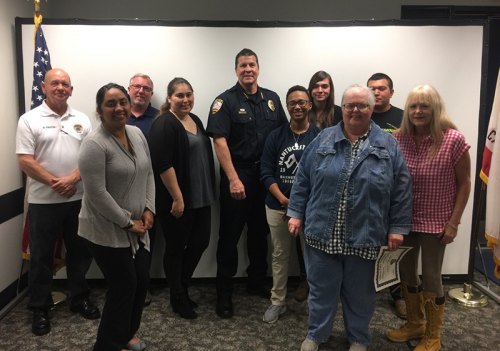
[347, 277]
[46, 223]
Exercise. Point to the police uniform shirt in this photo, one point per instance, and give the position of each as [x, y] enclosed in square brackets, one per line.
[245, 121]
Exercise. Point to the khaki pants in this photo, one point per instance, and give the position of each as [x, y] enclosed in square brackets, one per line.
[282, 243]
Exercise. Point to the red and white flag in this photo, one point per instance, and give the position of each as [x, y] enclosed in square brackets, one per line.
[490, 174]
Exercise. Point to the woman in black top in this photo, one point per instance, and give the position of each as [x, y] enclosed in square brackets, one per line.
[324, 112]
[183, 166]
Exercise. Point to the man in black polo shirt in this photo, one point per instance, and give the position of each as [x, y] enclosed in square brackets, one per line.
[239, 122]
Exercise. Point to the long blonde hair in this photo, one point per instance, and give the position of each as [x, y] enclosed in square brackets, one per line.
[440, 121]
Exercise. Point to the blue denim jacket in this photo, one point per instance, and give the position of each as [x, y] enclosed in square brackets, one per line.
[379, 200]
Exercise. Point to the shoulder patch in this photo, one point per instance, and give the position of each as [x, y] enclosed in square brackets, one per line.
[216, 106]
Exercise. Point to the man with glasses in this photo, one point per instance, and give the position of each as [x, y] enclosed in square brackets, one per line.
[280, 160]
[140, 90]
[48, 140]
[142, 114]
[240, 120]
[388, 118]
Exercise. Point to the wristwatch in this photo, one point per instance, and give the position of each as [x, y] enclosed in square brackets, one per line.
[129, 225]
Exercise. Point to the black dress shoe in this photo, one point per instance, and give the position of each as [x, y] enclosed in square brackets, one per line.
[86, 308]
[224, 307]
[41, 323]
[181, 305]
[191, 302]
[148, 299]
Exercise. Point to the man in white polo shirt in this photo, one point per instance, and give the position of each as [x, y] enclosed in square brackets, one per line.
[47, 144]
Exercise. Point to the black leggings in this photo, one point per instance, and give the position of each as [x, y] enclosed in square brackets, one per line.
[186, 238]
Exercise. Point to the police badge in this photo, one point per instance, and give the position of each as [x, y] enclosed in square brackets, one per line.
[270, 103]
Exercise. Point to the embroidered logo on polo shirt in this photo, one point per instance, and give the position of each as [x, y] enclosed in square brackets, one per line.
[78, 128]
[216, 106]
[242, 111]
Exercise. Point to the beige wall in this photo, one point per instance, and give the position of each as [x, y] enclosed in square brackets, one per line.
[264, 10]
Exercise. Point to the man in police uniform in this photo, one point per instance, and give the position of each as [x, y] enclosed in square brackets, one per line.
[239, 122]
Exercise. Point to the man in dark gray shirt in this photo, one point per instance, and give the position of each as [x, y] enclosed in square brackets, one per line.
[388, 118]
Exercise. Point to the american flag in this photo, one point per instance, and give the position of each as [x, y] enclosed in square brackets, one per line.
[41, 64]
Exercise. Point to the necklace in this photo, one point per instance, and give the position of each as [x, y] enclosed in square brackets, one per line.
[296, 137]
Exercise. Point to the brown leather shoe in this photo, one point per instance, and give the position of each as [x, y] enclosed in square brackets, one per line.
[302, 291]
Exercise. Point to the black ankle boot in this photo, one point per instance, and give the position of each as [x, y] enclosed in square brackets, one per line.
[182, 306]
[191, 302]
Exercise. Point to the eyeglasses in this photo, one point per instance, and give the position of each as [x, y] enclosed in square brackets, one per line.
[351, 107]
[293, 103]
[145, 87]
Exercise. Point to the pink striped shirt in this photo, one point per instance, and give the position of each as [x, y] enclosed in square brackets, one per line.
[434, 183]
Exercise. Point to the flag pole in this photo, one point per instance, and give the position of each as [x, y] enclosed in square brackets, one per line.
[466, 296]
[37, 18]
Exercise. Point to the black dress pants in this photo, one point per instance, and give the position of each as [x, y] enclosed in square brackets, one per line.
[234, 214]
[128, 280]
[46, 222]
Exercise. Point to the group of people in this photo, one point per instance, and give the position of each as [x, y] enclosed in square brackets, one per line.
[332, 180]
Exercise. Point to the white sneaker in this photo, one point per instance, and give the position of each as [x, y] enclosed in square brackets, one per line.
[309, 345]
[357, 347]
[273, 313]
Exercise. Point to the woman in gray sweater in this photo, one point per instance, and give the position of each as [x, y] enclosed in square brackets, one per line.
[117, 211]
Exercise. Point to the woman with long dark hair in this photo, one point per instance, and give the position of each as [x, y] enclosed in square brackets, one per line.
[117, 211]
[184, 171]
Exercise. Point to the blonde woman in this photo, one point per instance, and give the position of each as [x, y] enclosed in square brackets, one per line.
[438, 160]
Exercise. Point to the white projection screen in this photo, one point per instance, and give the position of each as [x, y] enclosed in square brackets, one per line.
[448, 57]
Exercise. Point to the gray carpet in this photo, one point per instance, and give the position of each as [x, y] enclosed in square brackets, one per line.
[464, 328]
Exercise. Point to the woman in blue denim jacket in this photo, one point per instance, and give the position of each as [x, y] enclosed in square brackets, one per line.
[351, 195]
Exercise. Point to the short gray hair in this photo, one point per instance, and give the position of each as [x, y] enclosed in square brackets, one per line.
[141, 75]
[369, 92]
